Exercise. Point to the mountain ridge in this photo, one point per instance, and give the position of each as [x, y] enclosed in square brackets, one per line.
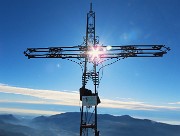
[67, 124]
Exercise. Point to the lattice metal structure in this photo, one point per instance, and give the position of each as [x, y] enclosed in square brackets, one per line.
[90, 52]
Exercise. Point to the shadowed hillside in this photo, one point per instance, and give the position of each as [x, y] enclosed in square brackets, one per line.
[67, 124]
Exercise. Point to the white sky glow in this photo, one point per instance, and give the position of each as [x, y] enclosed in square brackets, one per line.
[72, 99]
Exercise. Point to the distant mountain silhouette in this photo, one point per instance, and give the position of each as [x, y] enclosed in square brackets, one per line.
[67, 124]
[128, 126]
[8, 118]
[11, 126]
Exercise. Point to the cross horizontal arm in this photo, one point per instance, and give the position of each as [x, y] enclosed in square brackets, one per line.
[103, 51]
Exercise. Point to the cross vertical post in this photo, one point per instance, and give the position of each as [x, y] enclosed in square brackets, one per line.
[89, 120]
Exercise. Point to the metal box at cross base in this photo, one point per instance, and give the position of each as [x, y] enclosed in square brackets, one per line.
[89, 100]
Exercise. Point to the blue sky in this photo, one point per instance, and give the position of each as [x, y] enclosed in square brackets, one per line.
[140, 87]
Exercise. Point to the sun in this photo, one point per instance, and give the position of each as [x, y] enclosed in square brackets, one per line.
[95, 53]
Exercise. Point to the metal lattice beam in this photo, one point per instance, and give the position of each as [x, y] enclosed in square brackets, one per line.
[82, 51]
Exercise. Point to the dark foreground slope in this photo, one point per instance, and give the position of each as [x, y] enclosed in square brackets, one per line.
[67, 124]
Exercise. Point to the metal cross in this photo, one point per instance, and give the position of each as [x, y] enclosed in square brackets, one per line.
[90, 52]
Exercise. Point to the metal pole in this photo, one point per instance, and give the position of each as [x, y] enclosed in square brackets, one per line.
[95, 87]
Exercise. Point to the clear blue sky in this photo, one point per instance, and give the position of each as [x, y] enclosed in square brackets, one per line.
[140, 87]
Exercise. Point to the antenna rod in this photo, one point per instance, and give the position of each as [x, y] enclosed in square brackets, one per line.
[91, 6]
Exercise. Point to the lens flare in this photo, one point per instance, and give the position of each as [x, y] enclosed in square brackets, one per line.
[95, 53]
[108, 48]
